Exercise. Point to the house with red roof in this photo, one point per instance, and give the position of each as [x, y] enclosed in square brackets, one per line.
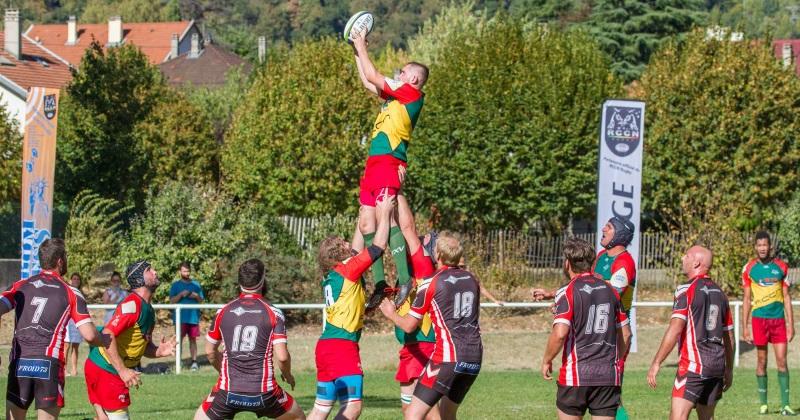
[25, 64]
[787, 50]
[69, 41]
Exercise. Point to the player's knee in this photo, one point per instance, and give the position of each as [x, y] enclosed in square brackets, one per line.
[118, 415]
[352, 410]
[366, 224]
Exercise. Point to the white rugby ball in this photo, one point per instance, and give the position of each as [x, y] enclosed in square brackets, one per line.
[359, 22]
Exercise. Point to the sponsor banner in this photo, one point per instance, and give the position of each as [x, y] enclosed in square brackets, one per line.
[38, 172]
[619, 185]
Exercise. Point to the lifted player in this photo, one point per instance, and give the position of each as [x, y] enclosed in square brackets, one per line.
[702, 327]
[590, 320]
[252, 331]
[109, 371]
[43, 304]
[766, 294]
[452, 298]
[339, 374]
[387, 153]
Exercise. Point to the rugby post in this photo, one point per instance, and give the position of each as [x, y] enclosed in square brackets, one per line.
[619, 184]
[38, 172]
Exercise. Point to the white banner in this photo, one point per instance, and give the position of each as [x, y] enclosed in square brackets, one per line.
[619, 184]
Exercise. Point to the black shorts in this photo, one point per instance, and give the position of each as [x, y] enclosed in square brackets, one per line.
[39, 379]
[227, 404]
[600, 400]
[451, 380]
[697, 389]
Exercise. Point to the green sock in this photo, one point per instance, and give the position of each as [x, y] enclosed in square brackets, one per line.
[622, 414]
[377, 267]
[762, 388]
[783, 381]
[400, 254]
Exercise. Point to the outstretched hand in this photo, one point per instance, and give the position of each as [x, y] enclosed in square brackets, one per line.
[387, 308]
[166, 347]
[359, 40]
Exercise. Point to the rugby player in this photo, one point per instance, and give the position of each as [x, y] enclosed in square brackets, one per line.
[766, 296]
[252, 331]
[387, 153]
[592, 345]
[452, 298]
[43, 305]
[702, 327]
[109, 371]
[417, 346]
[615, 265]
[339, 374]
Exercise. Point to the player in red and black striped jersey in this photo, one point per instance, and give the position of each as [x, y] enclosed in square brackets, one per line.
[252, 331]
[591, 330]
[43, 306]
[702, 327]
[452, 298]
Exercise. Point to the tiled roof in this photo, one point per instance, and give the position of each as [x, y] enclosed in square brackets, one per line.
[152, 38]
[36, 67]
[208, 69]
[777, 48]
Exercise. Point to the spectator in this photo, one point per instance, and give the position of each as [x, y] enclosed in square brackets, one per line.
[113, 295]
[187, 290]
[73, 337]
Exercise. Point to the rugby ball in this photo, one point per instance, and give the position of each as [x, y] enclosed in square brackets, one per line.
[359, 22]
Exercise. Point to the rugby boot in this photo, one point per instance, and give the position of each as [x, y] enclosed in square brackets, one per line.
[402, 292]
[377, 296]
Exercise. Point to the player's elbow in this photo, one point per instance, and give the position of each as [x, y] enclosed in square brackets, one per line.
[409, 326]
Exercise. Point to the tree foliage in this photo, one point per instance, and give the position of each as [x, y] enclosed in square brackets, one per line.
[121, 128]
[630, 31]
[206, 228]
[10, 158]
[789, 230]
[722, 124]
[93, 233]
[296, 141]
[508, 135]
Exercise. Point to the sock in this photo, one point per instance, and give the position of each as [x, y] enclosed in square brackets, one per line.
[783, 381]
[762, 388]
[400, 254]
[622, 414]
[377, 267]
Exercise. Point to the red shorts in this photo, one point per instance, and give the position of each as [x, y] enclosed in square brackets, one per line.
[413, 358]
[336, 358]
[105, 388]
[192, 330]
[769, 330]
[380, 178]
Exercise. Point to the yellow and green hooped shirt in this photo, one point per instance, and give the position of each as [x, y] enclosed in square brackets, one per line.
[766, 283]
[397, 119]
[132, 325]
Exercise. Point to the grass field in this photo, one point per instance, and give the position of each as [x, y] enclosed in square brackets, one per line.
[509, 386]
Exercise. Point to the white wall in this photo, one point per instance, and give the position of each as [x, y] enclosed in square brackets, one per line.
[15, 107]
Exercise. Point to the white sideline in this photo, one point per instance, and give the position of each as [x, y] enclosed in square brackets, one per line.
[737, 304]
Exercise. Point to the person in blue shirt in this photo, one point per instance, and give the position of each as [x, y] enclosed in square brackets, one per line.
[187, 290]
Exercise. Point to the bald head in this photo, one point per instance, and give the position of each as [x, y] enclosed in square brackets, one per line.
[697, 261]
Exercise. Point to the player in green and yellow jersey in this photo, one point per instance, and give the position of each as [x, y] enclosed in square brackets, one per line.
[388, 149]
[767, 299]
[339, 374]
[109, 371]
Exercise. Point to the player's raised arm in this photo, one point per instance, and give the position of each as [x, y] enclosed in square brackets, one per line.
[367, 84]
[366, 68]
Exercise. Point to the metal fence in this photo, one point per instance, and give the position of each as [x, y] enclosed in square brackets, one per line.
[737, 309]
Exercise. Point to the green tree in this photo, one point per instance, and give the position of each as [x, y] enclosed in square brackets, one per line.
[122, 128]
[205, 227]
[93, 233]
[629, 31]
[98, 11]
[179, 143]
[296, 140]
[109, 94]
[759, 18]
[789, 230]
[508, 135]
[10, 158]
[722, 124]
